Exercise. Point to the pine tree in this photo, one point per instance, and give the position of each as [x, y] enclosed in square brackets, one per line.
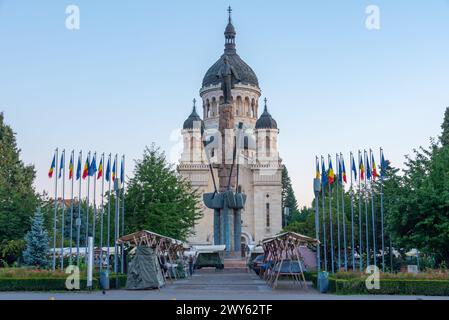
[444, 138]
[18, 199]
[288, 196]
[36, 253]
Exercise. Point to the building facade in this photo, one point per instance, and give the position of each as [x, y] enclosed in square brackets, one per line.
[260, 167]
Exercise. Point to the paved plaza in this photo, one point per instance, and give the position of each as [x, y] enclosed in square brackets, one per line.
[209, 285]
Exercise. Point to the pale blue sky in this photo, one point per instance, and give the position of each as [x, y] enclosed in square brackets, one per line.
[127, 77]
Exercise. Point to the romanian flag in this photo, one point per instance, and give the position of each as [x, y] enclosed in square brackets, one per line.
[374, 167]
[361, 169]
[86, 168]
[353, 168]
[108, 169]
[323, 173]
[52, 167]
[71, 167]
[317, 174]
[331, 175]
[114, 171]
[343, 170]
[100, 169]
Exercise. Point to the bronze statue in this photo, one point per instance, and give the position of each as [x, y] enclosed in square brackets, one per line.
[229, 78]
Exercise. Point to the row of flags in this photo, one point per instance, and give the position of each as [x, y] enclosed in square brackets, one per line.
[89, 169]
[366, 169]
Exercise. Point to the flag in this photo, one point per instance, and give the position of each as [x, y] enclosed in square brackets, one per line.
[114, 171]
[368, 169]
[374, 167]
[86, 168]
[93, 166]
[331, 175]
[61, 166]
[343, 169]
[323, 174]
[71, 167]
[100, 169]
[52, 167]
[362, 169]
[353, 168]
[383, 165]
[122, 172]
[317, 173]
[340, 175]
[108, 170]
[78, 168]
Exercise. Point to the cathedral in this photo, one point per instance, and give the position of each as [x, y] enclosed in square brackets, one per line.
[259, 170]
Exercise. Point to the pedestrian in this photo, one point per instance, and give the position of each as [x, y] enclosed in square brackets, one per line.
[191, 265]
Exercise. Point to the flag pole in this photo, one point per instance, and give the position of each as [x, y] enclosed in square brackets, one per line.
[102, 212]
[382, 168]
[352, 211]
[63, 208]
[94, 211]
[337, 165]
[343, 212]
[366, 209]
[87, 204]
[122, 171]
[323, 172]
[372, 210]
[109, 211]
[116, 220]
[316, 189]
[330, 221]
[72, 156]
[360, 213]
[56, 209]
[78, 219]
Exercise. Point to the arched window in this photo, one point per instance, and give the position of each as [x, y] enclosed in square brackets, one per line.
[267, 145]
[268, 214]
[191, 148]
[212, 152]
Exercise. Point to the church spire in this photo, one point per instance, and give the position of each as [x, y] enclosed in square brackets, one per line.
[230, 35]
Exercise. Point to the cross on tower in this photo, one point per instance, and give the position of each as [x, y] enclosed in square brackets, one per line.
[229, 11]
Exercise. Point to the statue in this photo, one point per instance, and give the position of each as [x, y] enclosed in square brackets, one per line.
[229, 78]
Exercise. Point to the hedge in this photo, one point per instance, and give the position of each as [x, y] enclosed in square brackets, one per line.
[388, 287]
[53, 284]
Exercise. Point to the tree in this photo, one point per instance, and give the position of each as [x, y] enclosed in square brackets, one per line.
[17, 197]
[36, 253]
[444, 138]
[288, 197]
[159, 199]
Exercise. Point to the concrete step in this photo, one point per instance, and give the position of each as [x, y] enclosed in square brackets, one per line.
[235, 264]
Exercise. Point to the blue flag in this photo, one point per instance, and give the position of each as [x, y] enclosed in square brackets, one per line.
[61, 166]
[354, 168]
[383, 165]
[368, 169]
[323, 174]
[108, 170]
[78, 169]
[93, 166]
[122, 172]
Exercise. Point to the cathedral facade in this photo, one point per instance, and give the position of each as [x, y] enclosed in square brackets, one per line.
[259, 164]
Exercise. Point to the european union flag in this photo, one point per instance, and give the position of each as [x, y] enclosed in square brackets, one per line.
[93, 166]
[108, 170]
[323, 174]
[78, 169]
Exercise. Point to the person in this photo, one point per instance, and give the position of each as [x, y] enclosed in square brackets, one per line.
[191, 265]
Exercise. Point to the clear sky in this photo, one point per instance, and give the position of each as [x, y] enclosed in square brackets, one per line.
[127, 77]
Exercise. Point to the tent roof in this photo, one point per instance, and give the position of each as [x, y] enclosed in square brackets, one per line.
[300, 238]
[136, 238]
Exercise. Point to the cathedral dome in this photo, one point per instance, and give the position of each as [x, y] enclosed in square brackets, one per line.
[244, 71]
[266, 121]
[193, 117]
